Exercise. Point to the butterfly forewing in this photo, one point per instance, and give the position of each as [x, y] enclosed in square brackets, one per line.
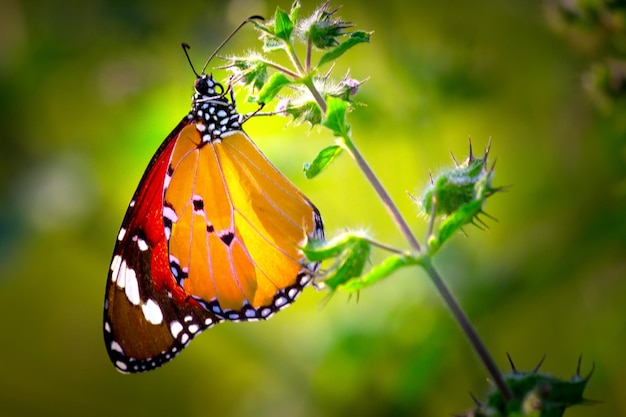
[148, 318]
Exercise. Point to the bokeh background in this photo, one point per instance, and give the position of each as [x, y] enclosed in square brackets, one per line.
[88, 90]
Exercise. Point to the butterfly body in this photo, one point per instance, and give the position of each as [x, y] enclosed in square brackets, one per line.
[211, 234]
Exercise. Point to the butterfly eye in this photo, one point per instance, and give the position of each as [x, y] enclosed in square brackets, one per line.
[201, 86]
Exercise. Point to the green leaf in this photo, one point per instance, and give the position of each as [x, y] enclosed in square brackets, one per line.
[336, 116]
[354, 39]
[317, 250]
[270, 32]
[380, 272]
[251, 70]
[273, 86]
[349, 265]
[322, 160]
[454, 222]
[295, 9]
[304, 111]
[284, 25]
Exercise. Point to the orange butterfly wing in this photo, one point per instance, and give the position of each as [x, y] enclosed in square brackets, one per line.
[237, 224]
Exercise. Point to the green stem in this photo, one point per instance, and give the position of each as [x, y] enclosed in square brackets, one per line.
[291, 52]
[445, 293]
[282, 69]
[308, 55]
[349, 146]
[468, 329]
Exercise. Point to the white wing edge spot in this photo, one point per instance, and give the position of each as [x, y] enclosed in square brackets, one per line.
[121, 234]
[170, 214]
[115, 267]
[280, 302]
[152, 312]
[122, 366]
[116, 347]
[121, 276]
[193, 329]
[293, 293]
[175, 328]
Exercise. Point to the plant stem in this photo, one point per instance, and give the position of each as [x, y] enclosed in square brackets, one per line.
[469, 330]
[471, 334]
[349, 146]
[291, 52]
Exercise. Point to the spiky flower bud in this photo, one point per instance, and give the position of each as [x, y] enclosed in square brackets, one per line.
[467, 182]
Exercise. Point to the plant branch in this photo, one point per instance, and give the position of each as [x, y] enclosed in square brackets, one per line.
[291, 52]
[469, 330]
[282, 69]
[351, 148]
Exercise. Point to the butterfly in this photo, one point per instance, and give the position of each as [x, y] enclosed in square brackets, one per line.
[212, 233]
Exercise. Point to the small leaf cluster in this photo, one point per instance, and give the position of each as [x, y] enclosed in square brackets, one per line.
[322, 33]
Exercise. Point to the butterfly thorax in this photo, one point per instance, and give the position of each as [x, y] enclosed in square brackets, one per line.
[212, 112]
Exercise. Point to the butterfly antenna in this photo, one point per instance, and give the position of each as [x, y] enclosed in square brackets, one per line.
[185, 48]
[251, 18]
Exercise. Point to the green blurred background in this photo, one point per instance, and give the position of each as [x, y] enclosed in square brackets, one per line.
[90, 89]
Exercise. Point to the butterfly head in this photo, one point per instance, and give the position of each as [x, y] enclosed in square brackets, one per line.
[206, 87]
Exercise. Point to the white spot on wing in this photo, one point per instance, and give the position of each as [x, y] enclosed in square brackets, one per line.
[175, 328]
[143, 246]
[115, 267]
[121, 234]
[292, 293]
[121, 365]
[166, 182]
[116, 347]
[193, 329]
[152, 312]
[121, 276]
[280, 302]
[170, 214]
[132, 287]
